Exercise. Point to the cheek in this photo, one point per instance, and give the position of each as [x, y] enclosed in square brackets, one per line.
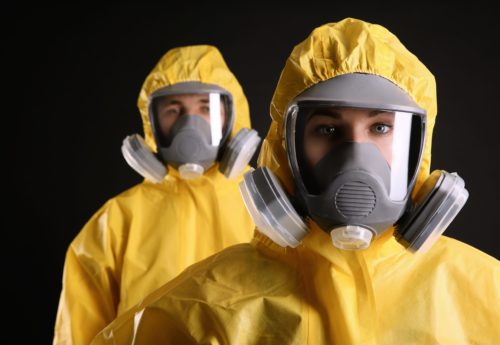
[205, 117]
[314, 151]
[222, 115]
[223, 118]
[166, 124]
[385, 146]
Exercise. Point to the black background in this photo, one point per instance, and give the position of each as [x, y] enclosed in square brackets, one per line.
[74, 77]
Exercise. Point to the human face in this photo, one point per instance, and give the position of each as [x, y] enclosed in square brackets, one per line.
[329, 127]
[171, 107]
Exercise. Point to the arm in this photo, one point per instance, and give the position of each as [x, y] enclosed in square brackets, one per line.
[90, 293]
[147, 326]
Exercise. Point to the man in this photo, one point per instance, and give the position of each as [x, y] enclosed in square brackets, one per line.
[349, 248]
[192, 108]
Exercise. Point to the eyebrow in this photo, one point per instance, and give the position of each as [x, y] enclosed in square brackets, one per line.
[380, 112]
[170, 101]
[177, 102]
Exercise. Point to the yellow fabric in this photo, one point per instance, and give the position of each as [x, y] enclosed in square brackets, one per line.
[260, 293]
[147, 235]
[349, 46]
[192, 63]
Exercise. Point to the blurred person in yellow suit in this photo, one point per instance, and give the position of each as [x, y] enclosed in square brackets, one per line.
[197, 146]
[349, 247]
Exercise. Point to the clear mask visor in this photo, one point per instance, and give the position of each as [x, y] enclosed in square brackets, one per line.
[212, 107]
[390, 145]
[216, 113]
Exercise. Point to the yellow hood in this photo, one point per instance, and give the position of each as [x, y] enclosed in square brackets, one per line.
[202, 63]
[261, 293]
[348, 46]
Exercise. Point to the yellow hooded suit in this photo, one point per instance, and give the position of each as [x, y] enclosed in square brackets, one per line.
[261, 293]
[147, 235]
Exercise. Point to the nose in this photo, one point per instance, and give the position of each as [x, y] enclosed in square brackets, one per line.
[195, 112]
[355, 134]
[189, 110]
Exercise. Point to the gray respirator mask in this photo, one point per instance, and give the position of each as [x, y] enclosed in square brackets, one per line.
[371, 136]
[189, 146]
[193, 143]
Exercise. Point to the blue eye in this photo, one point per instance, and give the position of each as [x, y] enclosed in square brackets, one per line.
[381, 128]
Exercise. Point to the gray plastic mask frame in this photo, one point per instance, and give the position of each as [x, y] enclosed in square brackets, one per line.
[193, 87]
[332, 93]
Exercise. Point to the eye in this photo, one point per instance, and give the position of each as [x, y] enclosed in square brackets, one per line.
[174, 111]
[381, 128]
[325, 131]
[205, 109]
[170, 111]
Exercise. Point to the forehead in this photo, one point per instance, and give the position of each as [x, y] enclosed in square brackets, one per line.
[184, 98]
[349, 114]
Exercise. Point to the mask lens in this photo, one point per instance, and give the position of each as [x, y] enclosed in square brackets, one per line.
[336, 139]
[169, 109]
[216, 112]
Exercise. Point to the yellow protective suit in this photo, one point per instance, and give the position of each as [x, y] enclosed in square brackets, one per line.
[260, 293]
[147, 235]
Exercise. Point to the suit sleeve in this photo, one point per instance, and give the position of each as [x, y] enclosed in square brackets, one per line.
[90, 293]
